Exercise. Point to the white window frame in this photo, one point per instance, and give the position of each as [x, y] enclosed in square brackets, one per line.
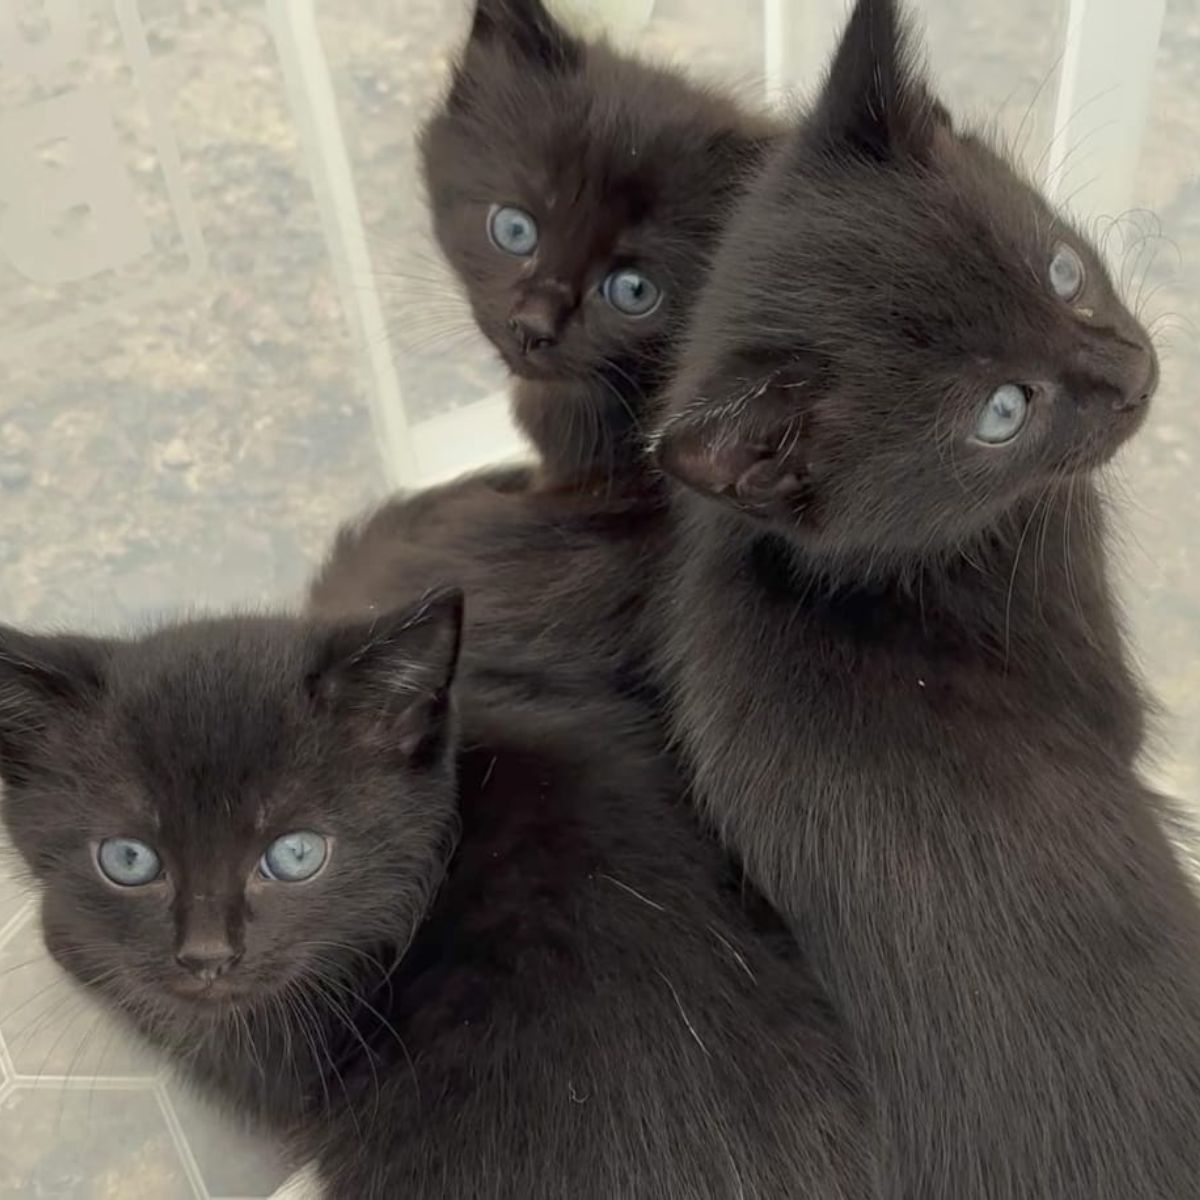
[1104, 92]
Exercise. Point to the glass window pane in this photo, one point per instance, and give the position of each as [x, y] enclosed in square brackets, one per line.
[1157, 481]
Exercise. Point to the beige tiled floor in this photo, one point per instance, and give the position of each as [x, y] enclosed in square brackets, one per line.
[199, 445]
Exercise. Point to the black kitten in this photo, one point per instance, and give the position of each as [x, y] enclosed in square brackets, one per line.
[576, 192]
[565, 180]
[239, 827]
[896, 662]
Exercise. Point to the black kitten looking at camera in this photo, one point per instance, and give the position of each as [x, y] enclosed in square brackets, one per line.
[896, 662]
[576, 193]
[247, 840]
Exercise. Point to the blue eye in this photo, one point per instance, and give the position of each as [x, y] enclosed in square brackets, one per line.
[1003, 415]
[631, 293]
[294, 857]
[512, 230]
[128, 862]
[1066, 272]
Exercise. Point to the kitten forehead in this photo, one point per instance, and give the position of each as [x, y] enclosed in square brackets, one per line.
[613, 116]
[200, 717]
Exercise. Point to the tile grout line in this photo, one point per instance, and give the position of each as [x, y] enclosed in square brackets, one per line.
[14, 923]
[179, 1137]
[8, 1069]
[81, 1083]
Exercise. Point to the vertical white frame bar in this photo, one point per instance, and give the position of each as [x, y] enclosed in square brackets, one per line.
[775, 41]
[293, 25]
[414, 454]
[798, 40]
[1103, 99]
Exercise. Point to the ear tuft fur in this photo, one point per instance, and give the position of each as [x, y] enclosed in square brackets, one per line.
[526, 29]
[394, 673]
[875, 103]
[42, 679]
[751, 450]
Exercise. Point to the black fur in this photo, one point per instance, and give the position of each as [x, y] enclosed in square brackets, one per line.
[557, 579]
[621, 164]
[592, 1006]
[896, 662]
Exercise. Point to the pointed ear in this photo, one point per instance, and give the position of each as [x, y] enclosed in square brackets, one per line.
[752, 449]
[43, 680]
[526, 28]
[875, 103]
[391, 676]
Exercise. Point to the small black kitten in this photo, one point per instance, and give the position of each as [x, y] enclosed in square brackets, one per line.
[245, 835]
[575, 193]
[571, 186]
[896, 661]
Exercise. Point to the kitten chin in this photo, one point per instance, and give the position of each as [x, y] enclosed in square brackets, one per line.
[895, 661]
[575, 193]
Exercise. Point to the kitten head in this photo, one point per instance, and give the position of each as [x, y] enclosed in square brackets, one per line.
[900, 340]
[225, 808]
[574, 193]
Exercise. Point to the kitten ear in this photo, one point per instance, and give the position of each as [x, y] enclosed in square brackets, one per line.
[526, 27]
[43, 679]
[875, 103]
[750, 450]
[392, 675]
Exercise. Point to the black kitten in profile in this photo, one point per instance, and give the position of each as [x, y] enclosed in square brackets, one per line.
[244, 832]
[576, 193]
[896, 663]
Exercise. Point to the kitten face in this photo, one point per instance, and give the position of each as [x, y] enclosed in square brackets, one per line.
[574, 192]
[900, 339]
[220, 810]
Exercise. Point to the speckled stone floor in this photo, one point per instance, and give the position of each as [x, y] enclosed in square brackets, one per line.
[190, 425]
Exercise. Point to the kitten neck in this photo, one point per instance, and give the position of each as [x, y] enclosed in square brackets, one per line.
[1030, 601]
[585, 431]
[1044, 562]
